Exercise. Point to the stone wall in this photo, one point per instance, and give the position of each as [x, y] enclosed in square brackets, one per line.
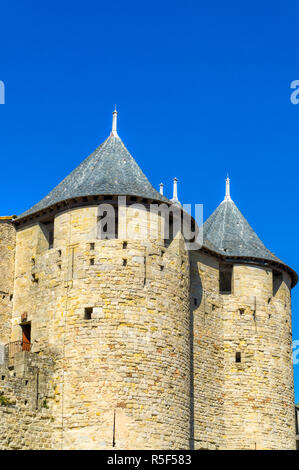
[247, 404]
[145, 344]
[258, 404]
[121, 377]
[7, 259]
[207, 363]
[25, 403]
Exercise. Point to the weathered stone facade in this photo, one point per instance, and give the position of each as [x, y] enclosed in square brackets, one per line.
[25, 420]
[136, 342]
[153, 364]
[7, 263]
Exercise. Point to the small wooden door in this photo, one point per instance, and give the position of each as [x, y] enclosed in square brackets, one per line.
[26, 337]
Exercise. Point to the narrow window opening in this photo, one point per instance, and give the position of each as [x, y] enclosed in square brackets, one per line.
[125, 262]
[59, 267]
[125, 245]
[59, 253]
[161, 267]
[225, 278]
[91, 246]
[3, 377]
[238, 357]
[26, 382]
[34, 278]
[241, 311]
[88, 313]
[91, 261]
[168, 235]
[277, 281]
[48, 230]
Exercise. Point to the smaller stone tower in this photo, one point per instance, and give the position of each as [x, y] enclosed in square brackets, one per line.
[254, 287]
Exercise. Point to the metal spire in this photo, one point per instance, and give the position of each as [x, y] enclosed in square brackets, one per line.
[161, 188]
[227, 190]
[114, 123]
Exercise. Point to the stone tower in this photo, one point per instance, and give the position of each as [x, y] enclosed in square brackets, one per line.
[243, 379]
[120, 339]
[113, 312]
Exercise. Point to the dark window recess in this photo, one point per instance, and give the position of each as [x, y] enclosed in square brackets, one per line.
[195, 301]
[87, 313]
[91, 261]
[277, 281]
[161, 267]
[225, 279]
[238, 357]
[125, 245]
[48, 230]
[34, 278]
[3, 377]
[241, 311]
[91, 246]
[168, 236]
[125, 262]
[59, 253]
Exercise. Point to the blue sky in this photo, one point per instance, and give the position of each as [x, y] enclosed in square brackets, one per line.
[202, 89]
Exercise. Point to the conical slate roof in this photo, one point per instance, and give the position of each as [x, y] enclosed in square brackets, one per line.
[109, 170]
[231, 235]
[228, 233]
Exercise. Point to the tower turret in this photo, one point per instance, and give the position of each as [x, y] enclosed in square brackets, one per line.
[114, 309]
[254, 292]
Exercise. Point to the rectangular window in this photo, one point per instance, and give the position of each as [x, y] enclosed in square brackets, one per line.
[277, 281]
[88, 313]
[48, 230]
[225, 278]
[238, 357]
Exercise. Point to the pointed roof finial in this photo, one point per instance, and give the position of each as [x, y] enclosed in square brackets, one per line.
[227, 190]
[114, 123]
[175, 192]
[161, 188]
